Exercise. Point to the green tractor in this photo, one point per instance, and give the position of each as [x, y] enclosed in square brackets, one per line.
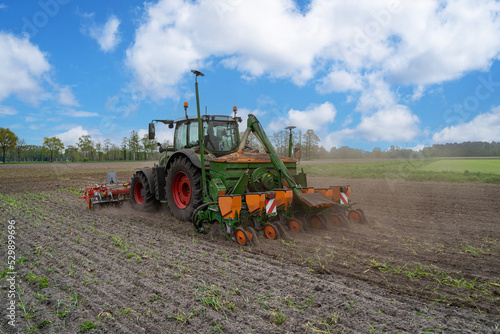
[210, 175]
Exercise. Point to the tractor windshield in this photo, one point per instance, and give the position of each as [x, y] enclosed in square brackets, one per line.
[220, 136]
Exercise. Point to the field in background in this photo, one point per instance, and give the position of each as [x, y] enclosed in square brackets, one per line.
[447, 170]
[491, 166]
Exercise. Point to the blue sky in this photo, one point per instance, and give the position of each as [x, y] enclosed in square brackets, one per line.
[365, 74]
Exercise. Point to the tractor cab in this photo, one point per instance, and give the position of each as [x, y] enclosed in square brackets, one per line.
[220, 134]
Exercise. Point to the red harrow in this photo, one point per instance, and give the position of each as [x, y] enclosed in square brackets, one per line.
[106, 194]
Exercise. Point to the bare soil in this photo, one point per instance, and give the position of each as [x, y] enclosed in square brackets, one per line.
[427, 261]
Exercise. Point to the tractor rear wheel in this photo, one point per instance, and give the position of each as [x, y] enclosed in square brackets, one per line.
[183, 188]
[143, 198]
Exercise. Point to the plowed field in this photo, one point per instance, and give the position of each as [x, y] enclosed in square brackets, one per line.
[427, 261]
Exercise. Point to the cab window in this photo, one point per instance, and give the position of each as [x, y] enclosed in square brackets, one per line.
[180, 139]
[193, 133]
[219, 136]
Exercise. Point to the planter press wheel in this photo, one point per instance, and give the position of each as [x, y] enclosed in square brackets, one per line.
[335, 220]
[363, 217]
[251, 233]
[324, 219]
[242, 237]
[315, 222]
[355, 216]
[271, 232]
[295, 225]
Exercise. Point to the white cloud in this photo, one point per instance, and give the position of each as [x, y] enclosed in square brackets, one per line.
[177, 36]
[7, 111]
[22, 65]
[315, 117]
[66, 97]
[347, 121]
[376, 96]
[30, 119]
[395, 124]
[3, 6]
[340, 81]
[106, 35]
[244, 112]
[71, 136]
[417, 148]
[415, 43]
[484, 127]
[75, 113]
[418, 92]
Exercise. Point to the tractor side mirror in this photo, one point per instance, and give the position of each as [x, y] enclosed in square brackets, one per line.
[151, 131]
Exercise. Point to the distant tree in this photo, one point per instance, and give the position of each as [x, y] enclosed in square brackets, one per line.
[20, 148]
[133, 143]
[52, 145]
[8, 141]
[107, 148]
[323, 153]
[71, 153]
[124, 147]
[279, 140]
[297, 139]
[377, 152]
[311, 141]
[98, 149]
[114, 152]
[86, 146]
[148, 145]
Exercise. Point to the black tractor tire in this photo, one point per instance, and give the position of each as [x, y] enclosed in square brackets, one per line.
[142, 197]
[183, 188]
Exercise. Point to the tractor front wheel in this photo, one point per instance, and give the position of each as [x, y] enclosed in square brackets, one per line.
[183, 188]
[143, 198]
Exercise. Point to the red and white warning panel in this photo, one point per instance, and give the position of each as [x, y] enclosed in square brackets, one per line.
[271, 205]
[343, 198]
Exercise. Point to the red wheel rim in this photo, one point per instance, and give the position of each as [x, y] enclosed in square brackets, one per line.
[181, 190]
[139, 193]
[294, 226]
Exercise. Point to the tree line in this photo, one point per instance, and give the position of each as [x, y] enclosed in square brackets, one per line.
[135, 147]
